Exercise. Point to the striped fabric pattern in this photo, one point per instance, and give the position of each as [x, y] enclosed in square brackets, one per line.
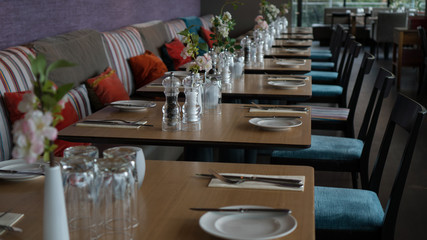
[15, 76]
[206, 21]
[175, 26]
[120, 45]
[79, 98]
[329, 113]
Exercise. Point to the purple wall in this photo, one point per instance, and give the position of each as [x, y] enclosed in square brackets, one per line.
[22, 21]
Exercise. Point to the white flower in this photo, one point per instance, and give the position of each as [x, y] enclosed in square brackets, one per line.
[204, 62]
[223, 30]
[186, 52]
[226, 16]
[27, 103]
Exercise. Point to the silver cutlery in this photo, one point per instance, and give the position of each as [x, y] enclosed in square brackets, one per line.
[152, 104]
[243, 210]
[10, 228]
[277, 107]
[237, 181]
[252, 178]
[20, 172]
[107, 122]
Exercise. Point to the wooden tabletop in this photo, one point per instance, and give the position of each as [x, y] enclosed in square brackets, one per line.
[288, 52]
[292, 43]
[296, 36]
[271, 67]
[229, 129]
[168, 191]
[249, 86]
[300, 30]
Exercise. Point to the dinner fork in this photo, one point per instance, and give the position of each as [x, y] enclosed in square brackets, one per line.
[237, 181]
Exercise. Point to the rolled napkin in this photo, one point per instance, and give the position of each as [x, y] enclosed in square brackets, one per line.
[277, 110]
[257, 185]
[9, 219]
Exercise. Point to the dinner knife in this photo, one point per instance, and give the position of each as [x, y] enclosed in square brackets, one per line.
[243, 210]
[274, 107]
[252, 178]
[20, 172]
[273, 117]
[148, 105]
[10, 228]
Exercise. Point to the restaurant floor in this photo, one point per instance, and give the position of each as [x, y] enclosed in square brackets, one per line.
[412, 218]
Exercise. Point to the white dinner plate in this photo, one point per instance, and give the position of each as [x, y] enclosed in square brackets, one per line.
[132, 105]
[248, 226]
[291, 62]
[293, 84]
[20, 165]
[295, 50]
[275, 124]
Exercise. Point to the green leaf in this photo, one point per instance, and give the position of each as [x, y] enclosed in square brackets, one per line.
[204, 46]
[62, 90]
[184, 32]
[58, 64]
[38, 66]
[195, 38]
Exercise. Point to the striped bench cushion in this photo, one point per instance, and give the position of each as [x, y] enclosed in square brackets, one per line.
[206, 21]
[15, 75]
[329, 113]
[175, 26]
[79, 98]
[120, 45]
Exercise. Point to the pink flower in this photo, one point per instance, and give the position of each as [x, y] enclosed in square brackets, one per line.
[263, 25]
[259, 19]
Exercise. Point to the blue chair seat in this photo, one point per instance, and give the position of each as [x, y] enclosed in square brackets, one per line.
[326, 148]
[320, 55]
[347, 209]
[320, 50]
[323, 90]
[322, 65]
[323, 76]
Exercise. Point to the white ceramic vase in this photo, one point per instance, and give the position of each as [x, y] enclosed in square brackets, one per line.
[55, 224]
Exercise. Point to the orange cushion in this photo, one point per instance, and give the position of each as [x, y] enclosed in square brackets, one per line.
[107, 87]
[174, 49]
[206, 34]
[12, 99]
[146, 68]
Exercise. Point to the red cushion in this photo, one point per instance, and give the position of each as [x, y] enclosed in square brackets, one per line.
[12, 99]
[107, 87]
[206, 34]
[174, 49]
[146, 68]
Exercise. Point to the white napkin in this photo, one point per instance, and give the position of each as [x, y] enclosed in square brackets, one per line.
[82, 124]
[276, 110]
[257, 185]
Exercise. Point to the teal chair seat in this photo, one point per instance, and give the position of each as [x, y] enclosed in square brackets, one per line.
[322, 65]
[326, 148]
[347, 209]
[321, 56]
[320, 50]
[323, 90]
[323, 76]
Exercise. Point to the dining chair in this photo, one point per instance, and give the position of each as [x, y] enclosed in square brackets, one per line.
[382, 30]
[337, 92]
[342, 213]
[422, 84]
[326, 59]
[342, 119]
[328, 77]
[342, 154]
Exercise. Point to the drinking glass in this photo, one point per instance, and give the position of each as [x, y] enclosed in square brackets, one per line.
[119, 197]
[90, 151]
[134, 156]
[81, 197]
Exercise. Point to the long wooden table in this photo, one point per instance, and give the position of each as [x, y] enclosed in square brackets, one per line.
[229, 129]
[249, 86]
[296, 36]
[168, 191]
[269, 66]
[286, 52]
[293, 43]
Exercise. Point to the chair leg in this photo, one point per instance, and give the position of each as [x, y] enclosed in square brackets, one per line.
[354, 177]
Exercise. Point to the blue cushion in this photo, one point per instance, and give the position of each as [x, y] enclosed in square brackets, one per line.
[323, 76]
[347, 209]
[322, 65]
[323, 90]
[326, 148]
[320, 55]
[320, 50]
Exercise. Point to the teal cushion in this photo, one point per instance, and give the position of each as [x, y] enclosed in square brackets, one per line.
[195, 23]
[320, 56]
[323, 76]
[323, 90]
[320, 50]
[347, 209]
[326, 148]
[322, 65]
